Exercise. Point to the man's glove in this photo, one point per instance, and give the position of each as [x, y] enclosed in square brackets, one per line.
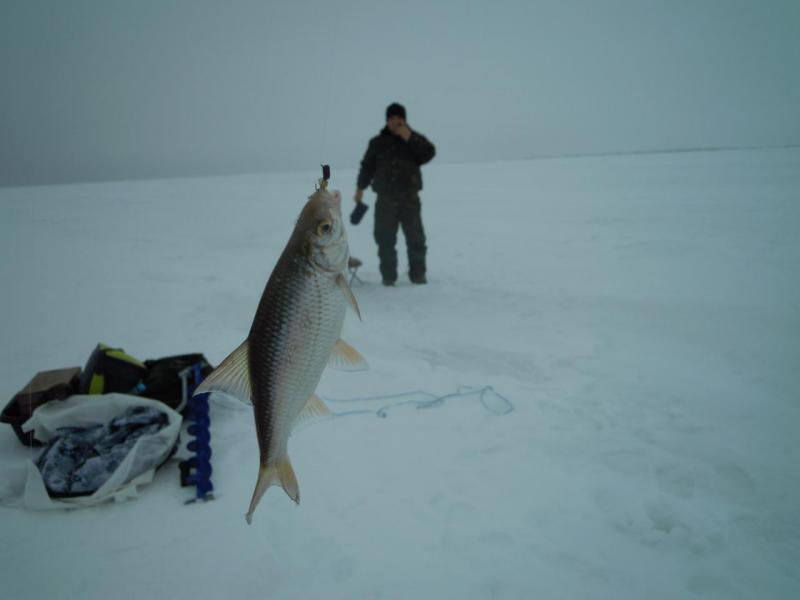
[358, 213]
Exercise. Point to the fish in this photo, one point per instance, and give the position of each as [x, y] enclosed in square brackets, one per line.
[296, 333]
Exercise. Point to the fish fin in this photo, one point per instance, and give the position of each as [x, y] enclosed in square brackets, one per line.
[231, 377]
[281, 473]
[346, 358]
[266, 478]
[348, 293]
[313, 410]
[288, 479]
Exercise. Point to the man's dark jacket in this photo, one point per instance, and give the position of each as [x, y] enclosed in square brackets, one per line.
[392, 164]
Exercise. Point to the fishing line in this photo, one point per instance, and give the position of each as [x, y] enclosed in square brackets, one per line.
[490, 399]
[329, 69]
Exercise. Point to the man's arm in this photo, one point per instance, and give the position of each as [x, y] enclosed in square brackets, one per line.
[422, 149]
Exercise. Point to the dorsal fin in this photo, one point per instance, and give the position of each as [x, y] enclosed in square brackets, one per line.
[231, 377]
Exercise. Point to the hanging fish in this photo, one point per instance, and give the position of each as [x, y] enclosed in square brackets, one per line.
[295, 333]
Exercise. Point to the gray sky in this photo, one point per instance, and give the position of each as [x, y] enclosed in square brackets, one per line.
[110, 89]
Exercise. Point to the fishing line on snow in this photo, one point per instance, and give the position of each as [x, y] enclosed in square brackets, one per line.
[489, 398]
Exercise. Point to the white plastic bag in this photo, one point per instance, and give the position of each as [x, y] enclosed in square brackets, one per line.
[25, 487]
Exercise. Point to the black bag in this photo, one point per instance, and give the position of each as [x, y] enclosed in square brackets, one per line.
[162, 379]
[111, 370]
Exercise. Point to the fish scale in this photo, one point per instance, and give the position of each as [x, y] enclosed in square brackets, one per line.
[290, 343]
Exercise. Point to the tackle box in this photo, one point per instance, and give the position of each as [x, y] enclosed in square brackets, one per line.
[45, 386]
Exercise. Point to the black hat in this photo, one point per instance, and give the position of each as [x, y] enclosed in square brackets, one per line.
[395, 109]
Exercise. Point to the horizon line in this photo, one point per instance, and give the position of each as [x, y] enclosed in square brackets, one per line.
[678, 150]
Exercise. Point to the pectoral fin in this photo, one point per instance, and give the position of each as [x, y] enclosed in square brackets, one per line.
[281, 473]
[348, 293]
[346, 358]
[231, 377]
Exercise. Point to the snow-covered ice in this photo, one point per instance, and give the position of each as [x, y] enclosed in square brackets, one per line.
[641, 313]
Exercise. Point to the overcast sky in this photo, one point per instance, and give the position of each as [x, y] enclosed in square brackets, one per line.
[110, 89]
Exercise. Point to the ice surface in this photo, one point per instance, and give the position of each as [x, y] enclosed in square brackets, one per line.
[641, 313]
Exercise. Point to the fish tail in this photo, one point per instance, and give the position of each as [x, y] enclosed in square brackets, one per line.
[281, 473]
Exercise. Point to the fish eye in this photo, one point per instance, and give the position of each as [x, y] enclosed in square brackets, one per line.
[324, 228]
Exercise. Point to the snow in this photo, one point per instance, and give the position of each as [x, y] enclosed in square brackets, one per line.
[640, 313]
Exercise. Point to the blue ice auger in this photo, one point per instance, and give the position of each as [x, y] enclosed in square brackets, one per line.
[196, 470]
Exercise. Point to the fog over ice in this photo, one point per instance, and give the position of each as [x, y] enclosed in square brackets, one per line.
[118, 90]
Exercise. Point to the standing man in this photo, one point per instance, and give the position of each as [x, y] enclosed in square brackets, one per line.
[391, 164]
